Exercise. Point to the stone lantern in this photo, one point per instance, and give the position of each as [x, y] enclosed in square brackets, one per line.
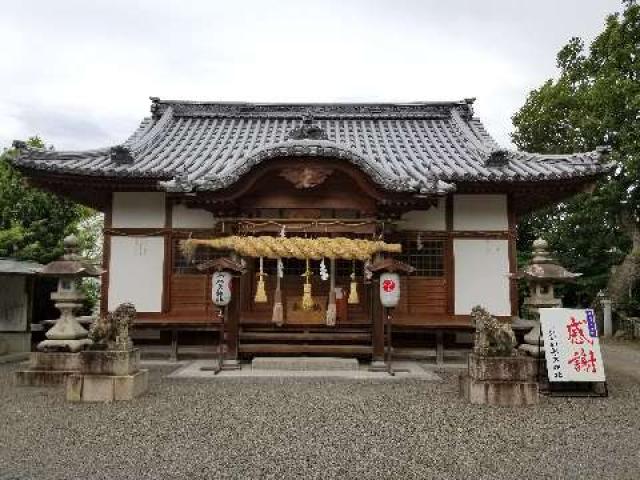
[67, 334]
[541, 274]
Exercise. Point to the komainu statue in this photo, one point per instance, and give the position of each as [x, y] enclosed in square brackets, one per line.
[112, 331]
[492, 338]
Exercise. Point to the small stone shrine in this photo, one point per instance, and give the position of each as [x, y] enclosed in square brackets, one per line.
[58, 355]
[496, 374]
[109, 369]
[540, 275]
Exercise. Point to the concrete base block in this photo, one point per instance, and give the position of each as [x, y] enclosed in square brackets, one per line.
[305, 363]
[517, 368]
[378, 366]
[15, 342]
[42, 378]
[110, 362]
[498, 393]
[106, 388]
[54, 361]
[48, 369]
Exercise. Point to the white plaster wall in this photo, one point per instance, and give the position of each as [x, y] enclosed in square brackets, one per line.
[13, 303]
[138, 210]
[481, 275]
[433, 219]
[184, 217]
[480, 212]
[136, 272]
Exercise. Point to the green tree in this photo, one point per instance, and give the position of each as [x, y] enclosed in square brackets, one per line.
[594, 101]
[33, 223]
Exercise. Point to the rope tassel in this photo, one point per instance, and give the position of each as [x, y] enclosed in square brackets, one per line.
[278, 310]
[307, 299]
[261, 292]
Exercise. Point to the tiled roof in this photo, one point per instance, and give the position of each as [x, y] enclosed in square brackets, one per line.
[425, 146]
[11, 266]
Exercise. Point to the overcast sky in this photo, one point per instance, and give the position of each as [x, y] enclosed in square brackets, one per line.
[79, 73]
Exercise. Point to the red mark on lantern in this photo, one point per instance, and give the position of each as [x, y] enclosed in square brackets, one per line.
[388, 285]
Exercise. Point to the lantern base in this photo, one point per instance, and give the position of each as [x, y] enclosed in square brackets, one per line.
[73, 346]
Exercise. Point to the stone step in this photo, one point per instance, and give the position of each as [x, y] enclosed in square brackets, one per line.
[305, 336]
[304, 364]
[292, 348]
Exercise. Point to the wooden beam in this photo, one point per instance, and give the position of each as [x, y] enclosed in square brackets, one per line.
[513, 260]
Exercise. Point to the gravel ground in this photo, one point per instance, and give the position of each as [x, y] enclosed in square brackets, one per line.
[327, 429]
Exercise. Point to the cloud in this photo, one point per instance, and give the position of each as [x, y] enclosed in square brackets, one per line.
[80, 73]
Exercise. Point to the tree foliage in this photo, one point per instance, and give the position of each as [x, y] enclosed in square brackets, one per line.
[33, 223]
[594, 101]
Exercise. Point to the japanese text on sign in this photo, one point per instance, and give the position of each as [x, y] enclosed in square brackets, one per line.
[572, 347]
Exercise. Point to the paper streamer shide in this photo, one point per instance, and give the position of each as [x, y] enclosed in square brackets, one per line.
[572, 346]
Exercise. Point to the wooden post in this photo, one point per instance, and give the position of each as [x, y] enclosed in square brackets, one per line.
[232, 312]
[377, 314]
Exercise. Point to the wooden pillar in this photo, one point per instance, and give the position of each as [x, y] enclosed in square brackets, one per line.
[106, 257]
[449, 267]
[513, 260]
[377, 313]
[232, 321]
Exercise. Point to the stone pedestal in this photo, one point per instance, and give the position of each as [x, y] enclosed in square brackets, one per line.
[67, 333]
[48, 368]
[107, 375]
[534, 345]
[500, 381]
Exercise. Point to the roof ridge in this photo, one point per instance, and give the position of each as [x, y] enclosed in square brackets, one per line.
[319, 109]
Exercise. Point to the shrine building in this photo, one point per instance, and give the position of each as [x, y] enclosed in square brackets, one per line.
[424, 175]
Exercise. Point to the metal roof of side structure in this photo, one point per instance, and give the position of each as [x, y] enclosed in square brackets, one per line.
[423, 147]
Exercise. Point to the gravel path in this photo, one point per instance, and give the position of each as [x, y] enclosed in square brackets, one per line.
[309, 429]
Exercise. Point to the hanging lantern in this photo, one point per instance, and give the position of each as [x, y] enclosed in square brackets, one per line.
[221, 288]
[261, 292]
[389, 289]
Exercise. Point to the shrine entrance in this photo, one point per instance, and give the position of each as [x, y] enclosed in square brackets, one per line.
[308, 199]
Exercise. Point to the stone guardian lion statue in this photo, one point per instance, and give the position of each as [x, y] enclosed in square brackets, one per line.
[112, 331]
[492, 337]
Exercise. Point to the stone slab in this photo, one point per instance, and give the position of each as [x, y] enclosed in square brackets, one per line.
[518, 368]
[42, 378]
[106, 388]
[110, 362]
[497, 393]
[404, 370]
[15, 342]
[305, 364]
[54, 361]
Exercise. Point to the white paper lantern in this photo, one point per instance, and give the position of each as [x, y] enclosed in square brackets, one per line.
[221, 288]
[389, 289]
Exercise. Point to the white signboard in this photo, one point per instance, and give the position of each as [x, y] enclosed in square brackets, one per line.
[221, 288]
[572, 347]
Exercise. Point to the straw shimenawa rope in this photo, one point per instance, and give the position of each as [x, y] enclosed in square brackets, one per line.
[294, 247]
